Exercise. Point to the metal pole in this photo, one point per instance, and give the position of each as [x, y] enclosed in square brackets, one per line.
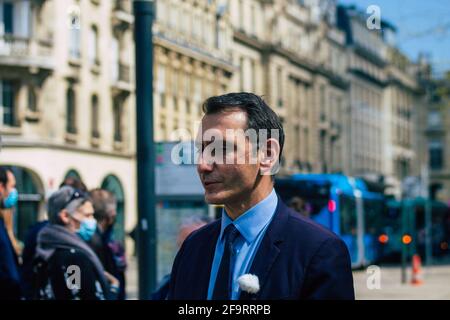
[404, 246]
[428, 211]
[428, 224]
[144, 15]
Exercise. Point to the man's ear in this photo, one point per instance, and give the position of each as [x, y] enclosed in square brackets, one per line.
[64, 216]
[269, 157]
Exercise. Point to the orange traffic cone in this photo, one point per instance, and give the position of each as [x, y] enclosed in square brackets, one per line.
[416, 270]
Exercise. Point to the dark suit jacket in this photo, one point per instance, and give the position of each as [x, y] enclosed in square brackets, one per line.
[297, 259]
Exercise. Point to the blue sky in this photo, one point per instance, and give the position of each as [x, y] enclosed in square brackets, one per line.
[422, 26]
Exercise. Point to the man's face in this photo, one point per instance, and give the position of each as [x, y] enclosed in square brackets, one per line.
[85, 211]
[231, 180]
[11, 184]
[111, 220]
[2, 191]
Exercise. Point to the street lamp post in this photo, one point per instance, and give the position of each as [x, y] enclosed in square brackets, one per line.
[146, 235]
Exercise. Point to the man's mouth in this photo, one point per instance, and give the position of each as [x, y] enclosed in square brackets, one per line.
[209, 183]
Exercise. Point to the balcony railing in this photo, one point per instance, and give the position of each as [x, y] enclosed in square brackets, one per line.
[13, 45]
[14, 48]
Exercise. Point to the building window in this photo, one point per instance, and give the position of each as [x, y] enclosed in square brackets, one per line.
[173, 21]
[196, 26]
[322, 103]
[74, 38]
[115, 61]
[32, 100]
[188, 106]
[241, 14]
[175, 82]
[15, 17]
[175, 103]
[162, 98]
[185, 21]
[197, 89]
[117, 114]
[280, 87]
[93, 46]
[205, 30]
[187, 85]
[434, 190]
[161, 13]
[8, 102]
[253, 19]
[436, 153]
[71, 111]
[7, 17]
[434, 118]
[241, 71]
[95, 117]
[253, 75]
[161, 78]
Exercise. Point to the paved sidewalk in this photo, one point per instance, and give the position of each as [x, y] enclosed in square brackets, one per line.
[436, 284]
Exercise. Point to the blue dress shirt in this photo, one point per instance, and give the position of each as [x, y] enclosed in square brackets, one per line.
[252, 226]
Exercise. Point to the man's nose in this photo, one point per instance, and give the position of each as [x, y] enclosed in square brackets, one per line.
[204, 164]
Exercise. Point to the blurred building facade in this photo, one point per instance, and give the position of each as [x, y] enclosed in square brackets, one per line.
[435, 134]
[67, 99]
[384, 98]
[403, 100]
[294, 56]
[192, 61]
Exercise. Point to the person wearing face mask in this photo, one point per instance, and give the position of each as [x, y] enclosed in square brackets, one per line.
[30, 243]
[7, 214]
[9, 274]
[66, 267]
[110, 252]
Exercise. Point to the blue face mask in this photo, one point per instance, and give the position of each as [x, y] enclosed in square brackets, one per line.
[11, 200]
[87, 229]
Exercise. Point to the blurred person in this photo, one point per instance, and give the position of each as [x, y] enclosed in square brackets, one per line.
[60, 246]
[9, 273]
[29, 249]
[7, 212]
[111, 253]
[187, 227]
[74, 183]
[300, 206]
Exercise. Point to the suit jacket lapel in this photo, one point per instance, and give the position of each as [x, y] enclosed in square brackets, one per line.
[268, 250]
[205, 263]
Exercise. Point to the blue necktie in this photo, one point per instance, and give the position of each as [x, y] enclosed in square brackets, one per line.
[222, 287]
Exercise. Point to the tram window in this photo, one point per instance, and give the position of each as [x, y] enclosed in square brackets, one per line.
[373, 210]
[348, 215]
[304, 197]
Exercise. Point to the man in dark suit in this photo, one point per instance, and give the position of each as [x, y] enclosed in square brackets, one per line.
[259, 249]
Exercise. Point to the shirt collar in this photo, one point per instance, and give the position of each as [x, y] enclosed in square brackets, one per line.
[253, 221]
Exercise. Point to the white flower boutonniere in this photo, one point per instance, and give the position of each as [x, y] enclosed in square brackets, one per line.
[249, 283]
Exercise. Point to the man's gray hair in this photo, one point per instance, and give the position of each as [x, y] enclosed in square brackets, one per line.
[60, 200]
